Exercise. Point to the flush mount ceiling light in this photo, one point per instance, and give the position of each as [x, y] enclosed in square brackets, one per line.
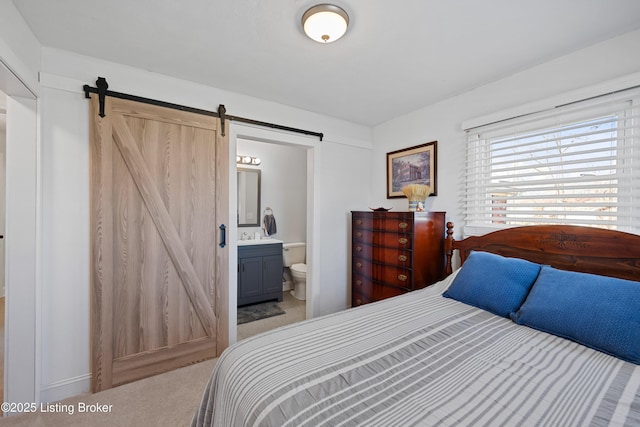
[325, 23]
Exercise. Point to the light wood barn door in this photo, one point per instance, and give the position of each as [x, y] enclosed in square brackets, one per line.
[159, 276]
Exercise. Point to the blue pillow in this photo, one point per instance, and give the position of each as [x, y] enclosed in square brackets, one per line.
[493, 283]
[597, 311]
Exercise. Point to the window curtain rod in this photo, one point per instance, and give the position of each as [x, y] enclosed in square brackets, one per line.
[102, 92]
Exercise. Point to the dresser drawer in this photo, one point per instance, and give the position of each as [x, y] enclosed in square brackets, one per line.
[362, 222]
[394, 240]
[394, 256]
[397, 277]
[358, 299]
[399, 223]
[362, 284]
[389, 275]
[373, 292]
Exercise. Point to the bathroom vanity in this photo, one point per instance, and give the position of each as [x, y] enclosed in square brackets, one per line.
[259, 271]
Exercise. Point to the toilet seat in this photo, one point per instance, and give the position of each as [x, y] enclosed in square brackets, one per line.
[299, 268]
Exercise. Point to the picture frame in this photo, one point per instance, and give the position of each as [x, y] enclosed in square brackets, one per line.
[413, 165]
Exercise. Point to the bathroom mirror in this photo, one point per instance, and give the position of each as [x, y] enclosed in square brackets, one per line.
[248, 197]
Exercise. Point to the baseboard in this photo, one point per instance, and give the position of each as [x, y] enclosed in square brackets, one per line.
[63, 389]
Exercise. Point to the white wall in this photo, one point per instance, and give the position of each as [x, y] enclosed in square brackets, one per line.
[516, 94]
[21, 244]
[65, 140]
[65, 245]
[283, 187]
[340, 195]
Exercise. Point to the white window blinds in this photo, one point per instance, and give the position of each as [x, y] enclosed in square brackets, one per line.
[576, 164]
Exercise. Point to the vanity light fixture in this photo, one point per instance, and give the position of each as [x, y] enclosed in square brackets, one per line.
[248, 160]
[325, 23]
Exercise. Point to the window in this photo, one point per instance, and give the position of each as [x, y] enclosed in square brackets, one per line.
[576, 164]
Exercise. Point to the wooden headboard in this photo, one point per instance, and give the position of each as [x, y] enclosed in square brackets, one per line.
[585, 249]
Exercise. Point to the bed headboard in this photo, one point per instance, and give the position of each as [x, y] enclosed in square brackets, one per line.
[575, 248]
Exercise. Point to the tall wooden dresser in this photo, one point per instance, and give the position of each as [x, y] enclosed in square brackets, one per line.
[394, 253]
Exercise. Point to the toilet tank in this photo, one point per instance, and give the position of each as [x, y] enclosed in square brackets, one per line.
[293, 253]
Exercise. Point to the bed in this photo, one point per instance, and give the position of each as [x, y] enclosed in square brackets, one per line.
[482, 347]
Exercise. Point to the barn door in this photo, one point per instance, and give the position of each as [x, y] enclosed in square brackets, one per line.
[159, 275]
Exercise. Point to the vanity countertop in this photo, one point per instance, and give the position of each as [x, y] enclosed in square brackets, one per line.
[258, 242]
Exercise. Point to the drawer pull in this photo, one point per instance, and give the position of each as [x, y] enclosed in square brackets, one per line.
[403, 225]
[402, 277]
[358, 248]
[358, 301]
[359, 234]
[359, 264]
[359, 222]
[402, 258]
[403, 240]
[359, 282]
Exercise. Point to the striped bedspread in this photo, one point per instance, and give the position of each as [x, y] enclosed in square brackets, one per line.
[417, 360]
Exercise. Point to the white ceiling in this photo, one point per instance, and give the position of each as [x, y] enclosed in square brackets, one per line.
[396, 57]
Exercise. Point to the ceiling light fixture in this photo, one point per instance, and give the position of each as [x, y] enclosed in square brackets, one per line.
[325, 23]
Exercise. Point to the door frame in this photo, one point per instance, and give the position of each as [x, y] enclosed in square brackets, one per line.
[23, 238]
[313, 145]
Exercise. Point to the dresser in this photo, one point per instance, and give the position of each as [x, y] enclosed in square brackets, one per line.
[394, 253]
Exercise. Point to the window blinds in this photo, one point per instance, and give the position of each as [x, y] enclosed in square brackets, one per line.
[575, 164]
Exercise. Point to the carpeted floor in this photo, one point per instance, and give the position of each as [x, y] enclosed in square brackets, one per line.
[167, 400]
[251, 313]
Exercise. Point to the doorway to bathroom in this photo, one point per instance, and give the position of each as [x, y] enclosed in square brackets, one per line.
[306, 157]
[282, 215]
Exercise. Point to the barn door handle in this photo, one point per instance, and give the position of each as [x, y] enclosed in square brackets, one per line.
[223, 235]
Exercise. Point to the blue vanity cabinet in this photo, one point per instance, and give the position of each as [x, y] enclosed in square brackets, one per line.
[259, 273]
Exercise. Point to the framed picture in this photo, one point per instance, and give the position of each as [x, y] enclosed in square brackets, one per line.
[414, 165]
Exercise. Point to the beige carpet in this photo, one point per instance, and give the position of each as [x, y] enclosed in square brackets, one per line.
[163, 400]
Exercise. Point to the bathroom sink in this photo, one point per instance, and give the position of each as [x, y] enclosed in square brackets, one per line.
[258, 242]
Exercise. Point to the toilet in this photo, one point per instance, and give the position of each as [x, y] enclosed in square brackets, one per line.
[294, 256]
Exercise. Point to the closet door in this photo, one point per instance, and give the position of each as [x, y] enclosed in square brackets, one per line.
[159, 277]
